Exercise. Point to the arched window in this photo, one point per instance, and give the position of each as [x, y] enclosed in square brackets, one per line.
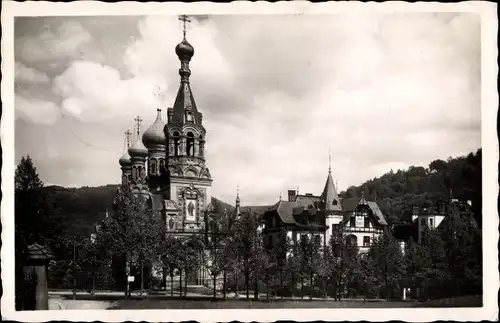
[202, 146]
[190, 144]
[176, 143]
[152, 167]
[162, 166]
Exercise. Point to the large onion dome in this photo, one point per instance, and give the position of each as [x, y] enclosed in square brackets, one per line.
[155, 136]
[138, 149]
[184, 50]
[125, 160]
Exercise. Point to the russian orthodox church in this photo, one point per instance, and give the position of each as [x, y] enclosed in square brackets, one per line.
[165, 166]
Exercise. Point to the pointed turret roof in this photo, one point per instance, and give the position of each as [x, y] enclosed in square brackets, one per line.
[330, 196]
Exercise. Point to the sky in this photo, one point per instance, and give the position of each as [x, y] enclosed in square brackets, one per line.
[277, 93]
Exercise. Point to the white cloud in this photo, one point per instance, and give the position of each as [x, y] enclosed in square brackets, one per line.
[63, 42]
[36, 111]
[30, 75]
[95, 92]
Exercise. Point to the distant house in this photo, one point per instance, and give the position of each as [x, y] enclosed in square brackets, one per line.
[318, 215]
[415, 221]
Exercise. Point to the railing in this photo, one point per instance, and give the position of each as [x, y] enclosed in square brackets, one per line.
[363, 229]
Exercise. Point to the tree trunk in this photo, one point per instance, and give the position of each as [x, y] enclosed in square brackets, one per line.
[142, 277]
[171, 284]
[256, 292]
[311, 285]
[224, 283]
[267, 289]
[302, 287]
[185, 282]
[215, 277]
[281, 281]
[247, 281]
[180, 283]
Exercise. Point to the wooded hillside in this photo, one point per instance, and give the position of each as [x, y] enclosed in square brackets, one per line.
[397, 191]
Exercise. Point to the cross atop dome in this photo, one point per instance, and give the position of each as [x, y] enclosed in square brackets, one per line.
[138, 122]
[184, 20]
[128, 136]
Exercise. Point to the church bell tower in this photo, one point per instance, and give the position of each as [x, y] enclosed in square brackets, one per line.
[189, 179]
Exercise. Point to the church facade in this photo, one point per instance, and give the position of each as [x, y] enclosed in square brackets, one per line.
[165, 165]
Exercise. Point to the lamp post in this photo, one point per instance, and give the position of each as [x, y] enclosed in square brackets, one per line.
[92, 241]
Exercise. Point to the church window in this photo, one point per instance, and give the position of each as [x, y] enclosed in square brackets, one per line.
[152, 166]
[190, 144]
[367, 222]
[162, 165]
[176, 143]
[366, 241]
[189, 116]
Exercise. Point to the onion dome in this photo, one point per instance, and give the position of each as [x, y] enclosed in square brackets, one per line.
[155, 136]
[125, 160]
[138, 149]
[184, 50]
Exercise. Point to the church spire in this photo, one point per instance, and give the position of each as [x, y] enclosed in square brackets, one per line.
[238, 211]
[329, 196]
[184, 110]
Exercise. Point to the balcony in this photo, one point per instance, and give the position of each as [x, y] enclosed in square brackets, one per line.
[363, 229]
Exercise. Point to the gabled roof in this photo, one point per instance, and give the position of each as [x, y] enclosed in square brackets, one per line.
[377, 213]
[349, 204]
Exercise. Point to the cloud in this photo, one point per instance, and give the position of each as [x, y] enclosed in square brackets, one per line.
[64, 41]
[36, 111]
[29, 75]
[277, 92]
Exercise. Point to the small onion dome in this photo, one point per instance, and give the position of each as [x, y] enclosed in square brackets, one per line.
[155, 136]
[184, 50]
[125, 160]
[138, 149]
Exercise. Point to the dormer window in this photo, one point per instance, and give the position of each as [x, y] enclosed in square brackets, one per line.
[334, 202]
[189, 116]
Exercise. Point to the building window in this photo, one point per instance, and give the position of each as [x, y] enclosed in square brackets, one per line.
[367, 222]
[190, 144]
[366, 241]
[431, 223]
[422, 222]
[270, 241]
[352, 221]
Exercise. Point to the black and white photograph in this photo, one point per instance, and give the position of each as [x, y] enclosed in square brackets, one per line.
[249, 157]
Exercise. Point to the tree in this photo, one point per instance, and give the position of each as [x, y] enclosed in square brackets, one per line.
[35, 220]
[169, 253]
[245, 240]
[387, 258]
[132, 233]
[463, 245]
[280, 249]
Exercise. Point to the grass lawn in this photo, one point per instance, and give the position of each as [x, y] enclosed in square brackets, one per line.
[467, 301]
[245, 304]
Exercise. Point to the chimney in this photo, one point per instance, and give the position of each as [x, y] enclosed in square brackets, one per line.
[291, 195]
